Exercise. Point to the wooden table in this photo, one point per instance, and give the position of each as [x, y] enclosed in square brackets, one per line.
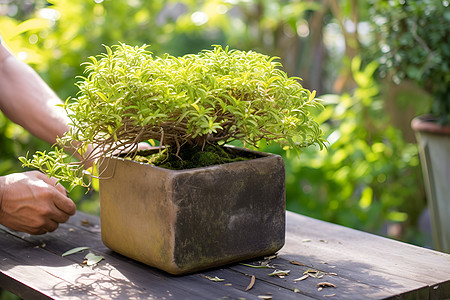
[347, 263]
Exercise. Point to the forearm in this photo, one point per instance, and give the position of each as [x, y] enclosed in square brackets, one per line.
[28, 101]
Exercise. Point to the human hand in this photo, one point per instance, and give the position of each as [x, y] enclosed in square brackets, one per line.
[33, 203]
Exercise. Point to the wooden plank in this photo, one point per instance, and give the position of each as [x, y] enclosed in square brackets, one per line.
[345, 288]
[21, 290]
[116, 266]
[348, 286]
[27, 266]
[395, 266]
[366, 266]
[61, 278]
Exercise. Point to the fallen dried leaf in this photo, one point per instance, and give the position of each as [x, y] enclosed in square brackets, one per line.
[280, 273]
[252, 282]
[306, 240]
[294, 262]
[326, 284]
[296, 291]
[265, 297]
[85, 222]
[302, 278]
[315, 273]
[271, 257]
[215, 278]
[228, 284]
[253, 266]
[331, 295]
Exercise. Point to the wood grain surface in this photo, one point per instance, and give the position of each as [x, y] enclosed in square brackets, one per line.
[341, 263]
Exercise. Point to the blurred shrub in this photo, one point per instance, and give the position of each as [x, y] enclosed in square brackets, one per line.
[413, 42]
[368, 176]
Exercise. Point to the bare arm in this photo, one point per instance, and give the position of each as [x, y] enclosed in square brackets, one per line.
[28, 101]
[30, 201]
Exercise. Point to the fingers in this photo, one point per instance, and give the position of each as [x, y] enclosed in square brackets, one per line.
[51, 226]
[61, 201]
[32, 203]
[60, 206]
[65, 205]
[51, 181]
[59, 216]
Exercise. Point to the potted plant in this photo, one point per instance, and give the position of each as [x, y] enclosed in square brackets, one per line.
[414, 39]
[160, 208]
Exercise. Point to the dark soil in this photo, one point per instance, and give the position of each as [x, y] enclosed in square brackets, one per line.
[194, 157]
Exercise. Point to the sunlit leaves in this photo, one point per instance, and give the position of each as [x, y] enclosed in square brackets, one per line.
[127, 96]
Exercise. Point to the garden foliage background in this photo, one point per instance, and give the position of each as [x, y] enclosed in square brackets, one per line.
[368, 178]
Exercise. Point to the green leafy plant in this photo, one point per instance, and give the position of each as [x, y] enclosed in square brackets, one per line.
[211, 98]
[413, 42]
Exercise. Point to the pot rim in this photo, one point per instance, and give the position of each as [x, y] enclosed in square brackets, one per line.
[263, 155]
[428, 123]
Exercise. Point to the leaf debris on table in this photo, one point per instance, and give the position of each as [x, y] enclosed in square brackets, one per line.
[301, 278]
[271, 257]
[252, 282]
[326, 284]
[215, 278]
[92, 259]
[255, 266]
[85, 222]
[315, 273]
[74, 250]
[294, 262]
[280, 273]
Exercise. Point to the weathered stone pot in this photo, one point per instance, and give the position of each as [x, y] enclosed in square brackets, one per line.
[434, 149]
[189, 220]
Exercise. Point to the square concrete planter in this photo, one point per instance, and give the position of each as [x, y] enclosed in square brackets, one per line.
[190, 220]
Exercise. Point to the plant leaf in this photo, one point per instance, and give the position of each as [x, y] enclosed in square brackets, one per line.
[314, 273]
[215, 278]
[294, 262]
[93, 259]
[252, 282]
[301, 278]
[280, 273]
[74, 250]
[253, 266]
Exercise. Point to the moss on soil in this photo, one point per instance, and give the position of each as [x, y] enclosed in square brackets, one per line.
[195, 157]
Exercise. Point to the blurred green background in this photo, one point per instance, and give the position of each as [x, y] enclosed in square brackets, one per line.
[369, 177]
